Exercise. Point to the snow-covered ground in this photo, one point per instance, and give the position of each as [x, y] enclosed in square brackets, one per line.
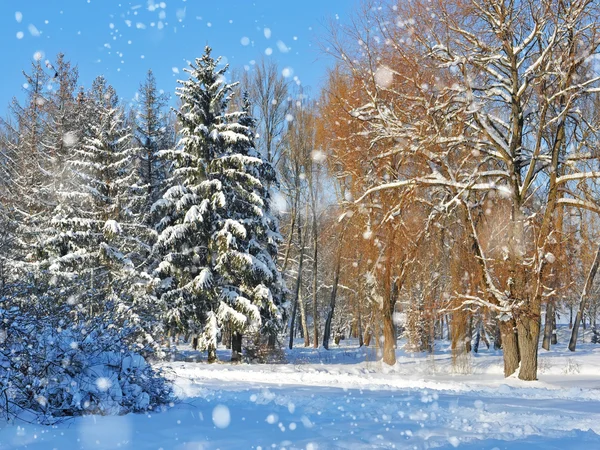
[345, 398]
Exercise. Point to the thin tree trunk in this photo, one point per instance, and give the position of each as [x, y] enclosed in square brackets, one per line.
[583, 300]
[359, 319]
[315, 281]
[570, 317]
[548, 325]
[368, 334]
[301, 305]
[554, 339]
[289, 242]
[498, 337]
[297, 289]
[334, 288]
[477, 338]
[303, 322]
[389, 333]
[469, 334]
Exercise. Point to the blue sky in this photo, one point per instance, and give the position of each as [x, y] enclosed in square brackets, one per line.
[123, 39]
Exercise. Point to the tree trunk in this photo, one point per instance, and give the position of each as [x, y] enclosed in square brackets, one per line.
[359, 319]
[297, 299]
[528, 333]
[548, 325]
[389, 332]
[498, 337]
[570, 317]
[212, 354]
[368, 334]
[469, 334]
[477, 338]
[289, 242]
[554, 339]
[303, 321]
[510, 347]
[236, 346]
[315, 282]
[334, 288]
[583, 300]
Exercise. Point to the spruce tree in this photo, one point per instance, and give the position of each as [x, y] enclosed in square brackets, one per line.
[95, 240]
[219, 238]
[153, 134]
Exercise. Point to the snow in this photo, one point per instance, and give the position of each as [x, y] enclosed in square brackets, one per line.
[345, 398]
[221, 416]
[33, 30]
[384, 77]
[287, 72]
[282, 47]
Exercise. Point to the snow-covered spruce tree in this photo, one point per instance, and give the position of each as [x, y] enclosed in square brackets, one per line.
[219, 240]
[27, 166]
[97, 240]
[153, 133]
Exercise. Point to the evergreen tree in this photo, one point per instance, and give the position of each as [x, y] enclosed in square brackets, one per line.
[153, 134]
[96, 231]
[36, 148]
[28, 165]
[219, 238]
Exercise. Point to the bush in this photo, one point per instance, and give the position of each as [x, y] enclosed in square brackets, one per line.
[259, 350]
[57, 362]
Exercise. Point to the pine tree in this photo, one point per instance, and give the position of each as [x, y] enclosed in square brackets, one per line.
[219, 239]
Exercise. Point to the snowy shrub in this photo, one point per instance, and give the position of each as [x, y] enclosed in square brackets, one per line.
[258, 350]
[571, 367]
[56, 362]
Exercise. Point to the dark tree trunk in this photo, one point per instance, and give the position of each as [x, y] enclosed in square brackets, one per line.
[477, 338]
[359, 320]
[570, 317]
[583, 300]
[548, 325]
[212, 354]
[554, 339]
[469, 334]
[236, 346]
[334, 288]
[498, 337]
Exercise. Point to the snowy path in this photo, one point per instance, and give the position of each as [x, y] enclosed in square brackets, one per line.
[272, 414]
[346, 399]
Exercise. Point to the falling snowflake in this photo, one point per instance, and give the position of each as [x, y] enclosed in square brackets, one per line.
[221, 416]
